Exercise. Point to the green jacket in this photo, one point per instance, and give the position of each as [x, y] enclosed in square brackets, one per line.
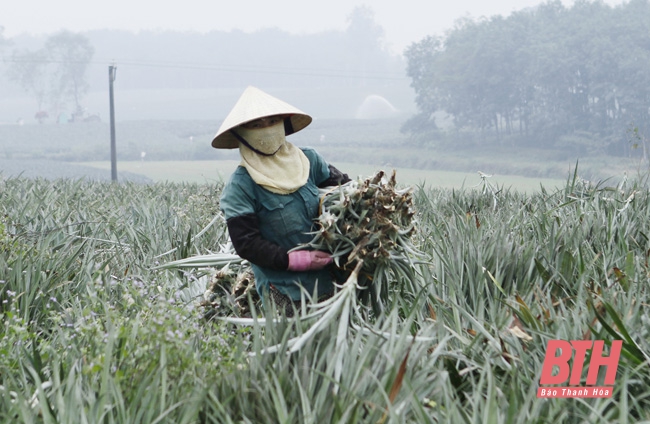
[264, 226]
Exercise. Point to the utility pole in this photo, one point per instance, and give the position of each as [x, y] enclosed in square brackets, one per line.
[112, 70]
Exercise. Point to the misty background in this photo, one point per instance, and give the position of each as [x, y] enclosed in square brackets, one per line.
[191, 75]
[526, 93]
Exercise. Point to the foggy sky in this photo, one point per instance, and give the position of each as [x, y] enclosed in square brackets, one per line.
[404, 21]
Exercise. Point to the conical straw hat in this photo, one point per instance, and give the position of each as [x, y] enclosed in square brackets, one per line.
[254, 104]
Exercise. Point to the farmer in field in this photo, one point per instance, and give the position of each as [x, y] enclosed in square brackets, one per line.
[271, 199]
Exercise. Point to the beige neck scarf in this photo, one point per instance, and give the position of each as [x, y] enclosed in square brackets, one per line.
[287, 167]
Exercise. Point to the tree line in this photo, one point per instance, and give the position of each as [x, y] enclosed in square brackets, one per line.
[555, 76]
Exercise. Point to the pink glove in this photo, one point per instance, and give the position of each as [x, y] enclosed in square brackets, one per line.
[308, 260]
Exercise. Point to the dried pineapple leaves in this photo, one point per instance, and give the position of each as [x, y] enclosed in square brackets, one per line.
[370, 220]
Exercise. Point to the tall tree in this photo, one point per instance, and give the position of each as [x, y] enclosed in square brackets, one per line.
[54, 74]
[633, 97]
[70, 54]
[363, 43]
[29, 70]
[362, 29]
[3, 40]
[421, 67]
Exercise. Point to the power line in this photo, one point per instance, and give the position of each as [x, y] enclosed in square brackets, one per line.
[331, 73]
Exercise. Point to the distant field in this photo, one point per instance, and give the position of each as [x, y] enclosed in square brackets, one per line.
[216, 170]
[176, 150]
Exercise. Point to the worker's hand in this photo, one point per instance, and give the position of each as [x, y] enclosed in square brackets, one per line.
[308, 260]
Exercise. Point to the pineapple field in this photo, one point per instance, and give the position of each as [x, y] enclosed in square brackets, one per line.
[124, 303]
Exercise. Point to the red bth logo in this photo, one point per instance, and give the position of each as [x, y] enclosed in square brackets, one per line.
[574, 374]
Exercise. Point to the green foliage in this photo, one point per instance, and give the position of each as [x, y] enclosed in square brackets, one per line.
[95, 331]
[539, 74]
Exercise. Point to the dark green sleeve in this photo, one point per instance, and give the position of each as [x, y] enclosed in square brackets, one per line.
[248, 242]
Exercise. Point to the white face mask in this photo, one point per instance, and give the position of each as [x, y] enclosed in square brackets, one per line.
[267, 140]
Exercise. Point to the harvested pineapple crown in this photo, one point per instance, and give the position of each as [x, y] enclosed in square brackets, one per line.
[372, 221]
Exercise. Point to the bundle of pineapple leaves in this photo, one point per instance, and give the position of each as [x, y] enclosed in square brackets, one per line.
[372, 221]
